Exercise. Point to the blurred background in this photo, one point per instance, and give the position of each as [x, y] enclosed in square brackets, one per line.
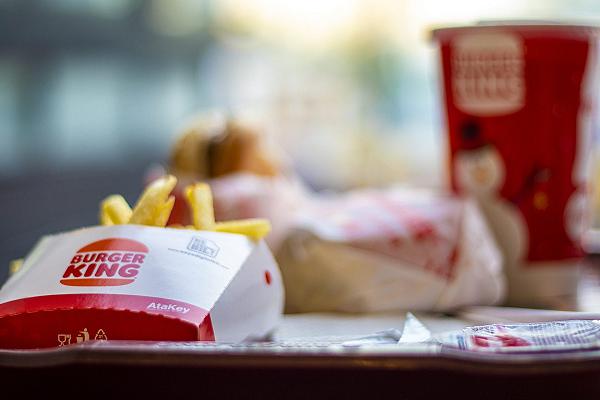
[92, 92]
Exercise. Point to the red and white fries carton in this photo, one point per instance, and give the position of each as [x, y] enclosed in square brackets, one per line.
[131, 282]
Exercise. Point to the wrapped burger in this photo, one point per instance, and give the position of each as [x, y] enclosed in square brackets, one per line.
[394, 249]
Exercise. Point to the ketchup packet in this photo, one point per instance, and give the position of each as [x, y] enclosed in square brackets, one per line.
[570, 335]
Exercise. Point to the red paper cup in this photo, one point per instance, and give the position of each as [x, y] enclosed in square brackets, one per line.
[520, 106]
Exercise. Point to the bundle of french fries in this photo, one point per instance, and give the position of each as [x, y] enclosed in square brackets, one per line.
[154, 207]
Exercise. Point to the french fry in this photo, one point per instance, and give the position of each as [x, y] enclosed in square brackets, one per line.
[155, 205]
[114, 210]
[15, 266]
[200, 200]
[165, 212]
[154, 202]
[254, 228]
[104, 219]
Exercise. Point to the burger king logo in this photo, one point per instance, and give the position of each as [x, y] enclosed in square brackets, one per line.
[107, 262]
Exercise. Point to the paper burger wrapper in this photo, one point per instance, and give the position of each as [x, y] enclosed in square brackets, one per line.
[130, 282]
[384, 250]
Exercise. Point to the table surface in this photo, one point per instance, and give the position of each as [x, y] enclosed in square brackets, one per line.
[301, 334]
[307, 358]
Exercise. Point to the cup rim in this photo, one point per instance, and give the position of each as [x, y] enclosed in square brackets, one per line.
[538, 27]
